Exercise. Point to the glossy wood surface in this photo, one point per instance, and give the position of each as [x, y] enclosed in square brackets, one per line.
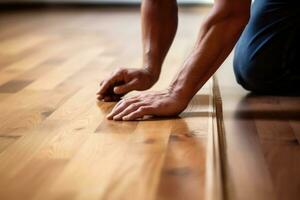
[262, 147]
[55, 142]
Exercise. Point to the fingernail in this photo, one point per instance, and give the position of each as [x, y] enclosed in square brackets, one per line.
[116, 118]
[125, 118]
[108, 117]
[116, 90]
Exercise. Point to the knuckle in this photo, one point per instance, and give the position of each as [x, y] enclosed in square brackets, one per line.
[117, 72]
[122, 69]
[126, 103]
[134, 106]
[120, 103]
[125, 72]
[142, 109]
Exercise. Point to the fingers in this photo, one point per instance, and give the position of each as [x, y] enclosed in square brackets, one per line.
[106, 91]
[123, 89]
[139, 113]
[120, 106]
[106, 84]
[109, 98]
[131, 108]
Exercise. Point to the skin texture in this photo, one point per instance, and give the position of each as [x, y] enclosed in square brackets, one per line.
[159, 24]
[158, 32]
[123, 81]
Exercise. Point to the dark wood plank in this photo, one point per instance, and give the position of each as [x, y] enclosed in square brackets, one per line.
[246, 171]
[14, 86]
[262, 144]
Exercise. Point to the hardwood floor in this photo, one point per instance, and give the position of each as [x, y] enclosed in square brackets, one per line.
[55, 142]
[262, 152]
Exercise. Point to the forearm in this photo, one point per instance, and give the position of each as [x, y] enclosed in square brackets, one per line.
[159, 25]
[215, 42]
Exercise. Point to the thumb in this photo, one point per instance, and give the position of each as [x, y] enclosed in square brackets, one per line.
[122, 89]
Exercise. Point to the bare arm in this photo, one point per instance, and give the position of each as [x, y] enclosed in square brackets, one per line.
[159, 25]
[216, 39]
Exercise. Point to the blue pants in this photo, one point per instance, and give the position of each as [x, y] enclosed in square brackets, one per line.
[267, 55]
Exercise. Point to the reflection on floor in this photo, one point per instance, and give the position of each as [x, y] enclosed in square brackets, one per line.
[262, 136]
[55, 142]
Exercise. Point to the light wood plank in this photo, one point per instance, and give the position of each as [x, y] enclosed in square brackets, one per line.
[16, 46]
[55, 77]
[64, 147]
[5, 141]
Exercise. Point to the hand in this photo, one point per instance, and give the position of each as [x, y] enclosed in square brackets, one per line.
[123, 81]
[163, 103]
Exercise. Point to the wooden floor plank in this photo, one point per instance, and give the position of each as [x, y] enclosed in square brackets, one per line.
[53, 127]
[5, 141]
[31, 107]
[121, 173]
[284, 161]
[54, 78]
[246, 171]
[184, 163]
[4, 96]
[52, 50]
[14, 86]
[262, 142]
[16, 46]
[29, 62]
[55, 142]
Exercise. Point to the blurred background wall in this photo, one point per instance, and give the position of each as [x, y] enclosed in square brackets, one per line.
[100, 1]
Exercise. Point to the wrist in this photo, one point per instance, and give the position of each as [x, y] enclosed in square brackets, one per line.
[153, 72]
[180, 91]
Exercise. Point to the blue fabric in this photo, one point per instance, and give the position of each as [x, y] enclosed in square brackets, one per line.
[267, 55]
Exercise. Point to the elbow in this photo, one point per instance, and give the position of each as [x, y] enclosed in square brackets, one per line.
[236, 13]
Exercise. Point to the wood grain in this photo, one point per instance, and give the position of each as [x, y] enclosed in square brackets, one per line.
[55, 142]
[262, 142]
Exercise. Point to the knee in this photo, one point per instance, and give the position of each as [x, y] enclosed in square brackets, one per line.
[254, 75]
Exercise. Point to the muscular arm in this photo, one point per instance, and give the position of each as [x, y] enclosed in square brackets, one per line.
[159, 24]
[216, 39]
